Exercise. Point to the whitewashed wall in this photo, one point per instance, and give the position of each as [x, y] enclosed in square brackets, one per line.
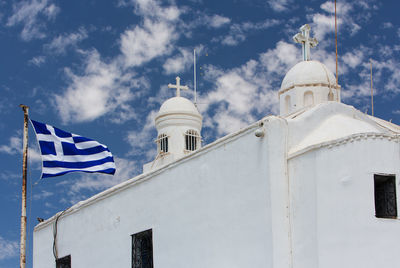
[333, 209]
[239, 203]
[213, 210]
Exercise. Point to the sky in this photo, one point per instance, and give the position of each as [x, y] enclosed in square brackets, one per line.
[100, 69]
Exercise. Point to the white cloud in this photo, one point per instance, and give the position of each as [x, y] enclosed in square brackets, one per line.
[387, 25]
[42, 195]
[142, 44]
[238, 32]
[51, 11]
[30, 14]
[125, 169]
[38, 60]
[141, 140]
[180, 62]
[60, 43]
[348, 17]
[153, 9]
[216, 21]
[13, 147]
[8, 248]
[281, 58]
[108, 87]
[280, 5]
[353, 59]
[102, 88]
[244, 94]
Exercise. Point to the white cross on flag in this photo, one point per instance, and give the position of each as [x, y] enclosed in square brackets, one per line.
[64, 152]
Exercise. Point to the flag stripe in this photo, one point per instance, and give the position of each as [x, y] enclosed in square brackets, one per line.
[107, 171]
[74, 158]
[77, 164]
[79, 139]
[70, 149]
[57, 170]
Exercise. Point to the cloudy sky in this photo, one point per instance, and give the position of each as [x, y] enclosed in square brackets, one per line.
[101, 68]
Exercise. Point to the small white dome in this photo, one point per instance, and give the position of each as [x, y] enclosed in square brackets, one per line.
[308, 73]
[178, 105]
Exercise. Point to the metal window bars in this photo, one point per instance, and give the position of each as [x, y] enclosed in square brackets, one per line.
[192, 139]
[162, 143]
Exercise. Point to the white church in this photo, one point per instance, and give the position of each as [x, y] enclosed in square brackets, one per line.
[313, 187]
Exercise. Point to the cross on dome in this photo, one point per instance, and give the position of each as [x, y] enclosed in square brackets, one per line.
[178, 86]
[305, 40]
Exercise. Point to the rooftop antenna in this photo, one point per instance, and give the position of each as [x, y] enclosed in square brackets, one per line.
[372, 90]
[194, 79]
[337, 75]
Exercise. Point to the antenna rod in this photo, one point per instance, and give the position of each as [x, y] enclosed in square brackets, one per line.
[372, 90]
[337, 75]
[194, 74]
[22, 261]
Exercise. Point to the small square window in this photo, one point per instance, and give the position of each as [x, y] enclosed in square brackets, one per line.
[64, 262]
[385, 196]
[142, 250]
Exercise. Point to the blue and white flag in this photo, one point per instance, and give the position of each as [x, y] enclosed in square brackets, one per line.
[64, 152]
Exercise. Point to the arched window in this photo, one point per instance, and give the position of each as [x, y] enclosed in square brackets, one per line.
[330, 96]
[192, 139]
[162, 142]
[308, 98]
[287, 104]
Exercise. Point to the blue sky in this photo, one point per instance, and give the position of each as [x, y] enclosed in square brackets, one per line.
[101, 69]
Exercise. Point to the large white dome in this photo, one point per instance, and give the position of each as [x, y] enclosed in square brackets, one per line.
[308, 73]
[178, 105]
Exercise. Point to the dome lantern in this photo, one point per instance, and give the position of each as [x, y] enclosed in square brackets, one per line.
[178, 124]
[309, 82]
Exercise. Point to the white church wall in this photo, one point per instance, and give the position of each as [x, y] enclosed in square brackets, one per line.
[276, 136]
[328, 121]
[333, 207]
[212, 210]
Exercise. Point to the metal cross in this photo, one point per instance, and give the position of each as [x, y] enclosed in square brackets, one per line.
[178, 86]
[305, 40]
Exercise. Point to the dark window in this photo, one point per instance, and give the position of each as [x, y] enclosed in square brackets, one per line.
[64, 262]
[163, 143]
[191, 139]
[385, 196]
[142, 250]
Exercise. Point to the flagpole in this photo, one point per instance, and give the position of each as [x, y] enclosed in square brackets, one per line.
[24, 169]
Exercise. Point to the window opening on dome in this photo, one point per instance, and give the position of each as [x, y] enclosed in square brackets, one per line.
[330, 96]
[308, 98]
[162, 142]
[192, 139]
[385, 196]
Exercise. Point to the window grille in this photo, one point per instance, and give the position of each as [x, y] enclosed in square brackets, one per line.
[142, 250]
[385, 196]
[162, 142]
[64, 262]
[192, 139]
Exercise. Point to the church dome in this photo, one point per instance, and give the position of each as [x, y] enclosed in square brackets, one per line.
[178, 105]
[308, 73]
[178, 125]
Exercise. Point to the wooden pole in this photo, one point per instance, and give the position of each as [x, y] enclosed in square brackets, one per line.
[22, 262]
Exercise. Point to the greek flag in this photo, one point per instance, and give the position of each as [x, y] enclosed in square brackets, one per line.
[64, 152]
